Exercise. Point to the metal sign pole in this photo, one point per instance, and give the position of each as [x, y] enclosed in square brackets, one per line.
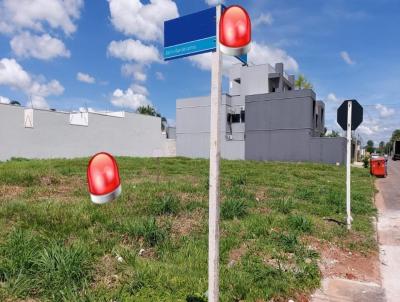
[215, 154]
[348, 165]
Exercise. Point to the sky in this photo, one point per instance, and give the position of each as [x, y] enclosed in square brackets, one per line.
[107, 54]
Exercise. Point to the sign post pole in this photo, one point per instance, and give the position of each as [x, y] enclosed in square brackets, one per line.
[348, 164]
[349, 116]
[215, 154]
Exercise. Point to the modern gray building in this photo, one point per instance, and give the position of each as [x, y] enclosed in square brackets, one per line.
[263, 117]
[35, 133]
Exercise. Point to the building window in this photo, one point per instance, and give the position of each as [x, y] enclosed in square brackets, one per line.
[242, 116]
[316, 121]
[233, 118]
[322, 116]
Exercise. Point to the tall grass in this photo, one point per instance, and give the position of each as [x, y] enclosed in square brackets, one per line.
[151, 243]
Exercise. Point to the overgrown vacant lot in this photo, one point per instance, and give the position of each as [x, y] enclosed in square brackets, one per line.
[151, 244]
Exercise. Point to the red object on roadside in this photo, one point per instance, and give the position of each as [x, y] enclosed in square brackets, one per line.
[103, 178]
[378, 166]
[235, 31]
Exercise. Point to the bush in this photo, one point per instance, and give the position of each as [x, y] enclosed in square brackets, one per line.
[285, 205]
[165, 205]
[366, 162]
[152, 234]
[233, 208]
[288, 242]
[300, 223]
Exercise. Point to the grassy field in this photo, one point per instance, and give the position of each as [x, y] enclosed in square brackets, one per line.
[151, 244]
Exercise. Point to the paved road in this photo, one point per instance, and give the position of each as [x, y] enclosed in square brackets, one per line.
[388, 203]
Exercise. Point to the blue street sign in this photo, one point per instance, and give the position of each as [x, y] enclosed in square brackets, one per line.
[242, 58]
[191, 35]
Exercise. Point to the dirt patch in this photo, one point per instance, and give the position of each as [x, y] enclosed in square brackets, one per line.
[9, 192]
[106, 273]
[261, 195]
[260, 210]
[236, 254]
[148, 253]
[186, 223]
[61, 189]
[343, 263]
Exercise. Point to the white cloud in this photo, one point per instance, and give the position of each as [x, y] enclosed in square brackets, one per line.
[129, 98]
[139, 89]
[377, 127]
[259, 54]
[203, 61]
[85, 78]
[144, 21]
[214, 2]
[135, 70]
[384, 111]
[332, 98]
[160, 76]
[263, 19]
[35, 14]
[4, 100]
[42, 47]
[133, 50]
[51, 88]
[13, 75]
[346, 57]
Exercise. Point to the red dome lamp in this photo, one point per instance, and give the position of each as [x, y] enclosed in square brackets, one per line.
[235, 31]
[103, 178]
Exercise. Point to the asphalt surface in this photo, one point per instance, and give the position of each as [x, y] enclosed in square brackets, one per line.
[390, 186]
[388, 203]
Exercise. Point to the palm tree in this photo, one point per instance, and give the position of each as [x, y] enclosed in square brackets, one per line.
[147, 110]
[303, 83]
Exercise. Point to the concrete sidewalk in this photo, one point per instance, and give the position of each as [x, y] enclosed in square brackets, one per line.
[387, 201]
[388, 204]
[344, 290]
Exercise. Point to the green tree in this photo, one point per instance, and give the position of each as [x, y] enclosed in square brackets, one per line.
[370, 146]
[333, 134]
[388, 147]
[149, 110]
[303, 83]
[15, 103]
[395, 135]
[382, 147]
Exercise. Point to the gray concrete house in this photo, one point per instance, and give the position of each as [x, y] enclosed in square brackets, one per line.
[263, 117]
[35, 133]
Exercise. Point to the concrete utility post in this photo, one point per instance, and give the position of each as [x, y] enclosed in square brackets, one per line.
[215, 155]
[348, 165]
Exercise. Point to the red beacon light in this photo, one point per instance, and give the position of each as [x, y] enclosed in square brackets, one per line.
[103, 178]
[235, 31]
